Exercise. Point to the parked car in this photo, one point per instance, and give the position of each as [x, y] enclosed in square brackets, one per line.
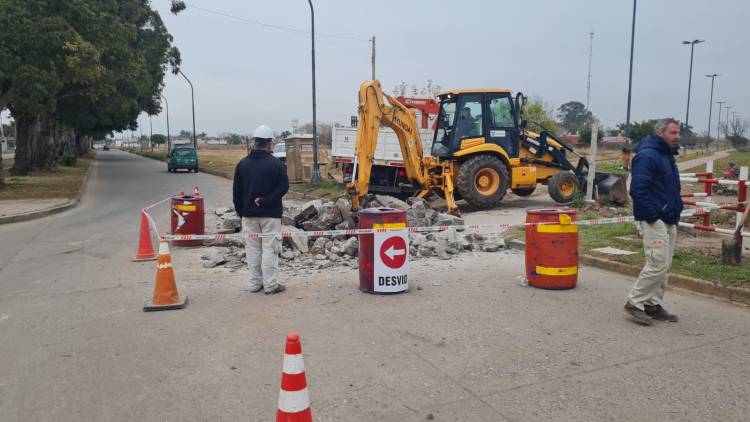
[279, 151]
[105, 147]
[182, 158]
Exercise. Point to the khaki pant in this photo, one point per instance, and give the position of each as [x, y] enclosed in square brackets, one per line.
[262, 255]
[659, 241]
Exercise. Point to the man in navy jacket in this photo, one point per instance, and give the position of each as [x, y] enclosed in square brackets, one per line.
[260, 181]
[655, 189]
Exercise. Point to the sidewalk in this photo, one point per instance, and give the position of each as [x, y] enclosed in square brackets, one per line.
[12, 210]
[701, 161]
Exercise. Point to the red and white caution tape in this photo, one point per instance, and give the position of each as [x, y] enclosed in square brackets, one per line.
[425, 229]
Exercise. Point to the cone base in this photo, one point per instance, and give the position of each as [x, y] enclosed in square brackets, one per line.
[151, 307]
[145, 258]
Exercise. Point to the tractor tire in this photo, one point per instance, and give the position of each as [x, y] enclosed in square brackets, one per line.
[524, 191]
[482, 181]
[563, 187]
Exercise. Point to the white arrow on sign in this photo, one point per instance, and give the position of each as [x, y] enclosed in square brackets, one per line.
[391, 252]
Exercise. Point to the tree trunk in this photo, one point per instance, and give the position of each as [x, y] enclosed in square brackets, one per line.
[2, 139]
[80, 145]
[35, 148]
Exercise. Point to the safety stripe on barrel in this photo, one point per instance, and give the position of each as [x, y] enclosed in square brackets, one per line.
[557, 228]
[556, 270]
[294, 401]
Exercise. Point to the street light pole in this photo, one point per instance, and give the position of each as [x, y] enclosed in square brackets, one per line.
[315, 176]
[711, 103]
[690, 80]
[192, 98]
[630, 75]
[169, 139]
[718, 124]
[726, 122]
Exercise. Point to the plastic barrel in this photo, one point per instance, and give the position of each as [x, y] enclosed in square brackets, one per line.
[552, 248]
[188, 217]
[375, 218]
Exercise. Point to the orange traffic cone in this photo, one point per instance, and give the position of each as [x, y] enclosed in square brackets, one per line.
[165, 290]
[145, 249]
[197, 193]
[294, 400]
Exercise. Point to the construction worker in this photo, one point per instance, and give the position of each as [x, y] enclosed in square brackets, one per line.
[260, 181]
[655, 189]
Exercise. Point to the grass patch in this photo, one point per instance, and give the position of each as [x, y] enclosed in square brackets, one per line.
[220, 162]
[59, 182]
[322, 190]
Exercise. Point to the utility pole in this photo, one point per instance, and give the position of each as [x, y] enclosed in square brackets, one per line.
[192, 98]
[711, 103]
[588, 84]
[373, 57]
[630, 76]
[718, 124]
[315, 176]
[726, 122]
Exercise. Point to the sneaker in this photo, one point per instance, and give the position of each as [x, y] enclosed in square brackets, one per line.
[638, 315]
[658, 313]
[279, 288]
[256, 289]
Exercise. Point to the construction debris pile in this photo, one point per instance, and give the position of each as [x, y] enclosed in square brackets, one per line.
[302, 252]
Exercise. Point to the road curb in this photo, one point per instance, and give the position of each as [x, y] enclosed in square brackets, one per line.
[71, 203]
[737, 294]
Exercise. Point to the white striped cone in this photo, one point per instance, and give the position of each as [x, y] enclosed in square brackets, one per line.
[294, 399]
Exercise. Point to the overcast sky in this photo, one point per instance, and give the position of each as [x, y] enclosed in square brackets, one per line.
[246, 74]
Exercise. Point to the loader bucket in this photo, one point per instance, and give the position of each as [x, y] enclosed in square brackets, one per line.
[612, 187]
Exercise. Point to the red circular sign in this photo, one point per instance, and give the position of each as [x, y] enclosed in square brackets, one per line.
[393, 252]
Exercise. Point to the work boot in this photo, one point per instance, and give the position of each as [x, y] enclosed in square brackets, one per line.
[638, 315]
[256, 289]
[658, 313]
[279, 288]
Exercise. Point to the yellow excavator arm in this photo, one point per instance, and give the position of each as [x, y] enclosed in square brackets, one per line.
[373, 111]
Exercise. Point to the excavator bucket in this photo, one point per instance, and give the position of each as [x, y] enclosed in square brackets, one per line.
[612, 187]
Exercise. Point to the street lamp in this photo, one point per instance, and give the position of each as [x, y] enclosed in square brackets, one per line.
[711, 102]
[726, 122]
[718, 124]
[630, 75]
[315, 177]
[192, 98]
[690, 79]
[169, 139]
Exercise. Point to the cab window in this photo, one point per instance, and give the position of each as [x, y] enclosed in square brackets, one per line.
[469, 120]
[500, 113]
[444, 132]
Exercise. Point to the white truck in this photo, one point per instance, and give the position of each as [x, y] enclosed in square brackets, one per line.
[388, 175]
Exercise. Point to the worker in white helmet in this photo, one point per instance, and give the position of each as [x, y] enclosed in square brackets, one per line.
[260, 181]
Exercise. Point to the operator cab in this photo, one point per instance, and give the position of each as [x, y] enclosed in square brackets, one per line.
[476, 116]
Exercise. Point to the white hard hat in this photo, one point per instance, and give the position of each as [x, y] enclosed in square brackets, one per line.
[263, 131]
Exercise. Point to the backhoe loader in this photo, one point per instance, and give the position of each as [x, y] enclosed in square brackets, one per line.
[481, 148]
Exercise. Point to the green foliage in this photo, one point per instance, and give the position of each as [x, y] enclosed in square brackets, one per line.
[739, 141]
[585, 134]
[234, 139]
[283, 135]
[574, 116]
[68, 159]
[639, 130]
[537, 113]
[158, 139]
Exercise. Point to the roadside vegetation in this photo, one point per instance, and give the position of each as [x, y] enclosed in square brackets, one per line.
[739, 158]
[60, 181]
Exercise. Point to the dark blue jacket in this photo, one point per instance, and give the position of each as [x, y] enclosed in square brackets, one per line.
[260, 175]
[655, 184]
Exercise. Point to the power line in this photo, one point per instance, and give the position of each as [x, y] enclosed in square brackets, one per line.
[279, 27]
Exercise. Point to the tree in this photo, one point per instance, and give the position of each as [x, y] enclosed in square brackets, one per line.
[737, 128]
[234, 139]
[78, 69]
[585, 134]
[431, 89]
[573, 116]
[537, 113]
[283, 135]
[185, 134]
[400, 90]
[325, 132]
[639, 130]
[158, 139]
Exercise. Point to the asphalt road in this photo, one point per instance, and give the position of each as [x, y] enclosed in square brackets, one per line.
[467, 343]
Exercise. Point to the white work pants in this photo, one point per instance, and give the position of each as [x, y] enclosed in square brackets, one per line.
[659, 242]
[262, 255]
